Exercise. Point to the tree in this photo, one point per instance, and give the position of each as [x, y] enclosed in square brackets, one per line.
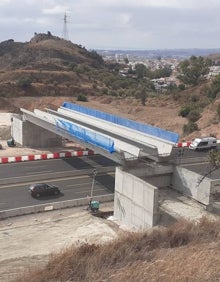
[215, 87]
[142, 95]
[193, 70]
[126, 61]
[140, 70]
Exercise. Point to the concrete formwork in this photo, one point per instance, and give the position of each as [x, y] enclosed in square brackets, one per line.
[29, 134]
[135, 201]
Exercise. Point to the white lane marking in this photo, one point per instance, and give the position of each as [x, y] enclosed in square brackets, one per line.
[88, 191]
[79, 184]
[51, 180]
[48, 180]
[196, 164]
[40, 172]
[34, 166]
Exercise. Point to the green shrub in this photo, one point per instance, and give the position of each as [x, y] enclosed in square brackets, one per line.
[184, 111]
[25, 82]
[194, 98]
[82, 98]
[194, 115]
[190, 127]
[113, 93]
[182, 87]
[105, 91]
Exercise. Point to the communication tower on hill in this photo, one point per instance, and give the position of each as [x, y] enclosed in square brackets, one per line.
[65, 30]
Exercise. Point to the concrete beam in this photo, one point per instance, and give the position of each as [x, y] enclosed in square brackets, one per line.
[163, 146]
[117, 157]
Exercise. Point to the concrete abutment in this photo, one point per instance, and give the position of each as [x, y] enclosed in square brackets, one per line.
[28, 134]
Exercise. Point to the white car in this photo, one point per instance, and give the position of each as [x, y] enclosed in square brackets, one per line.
[203, 143]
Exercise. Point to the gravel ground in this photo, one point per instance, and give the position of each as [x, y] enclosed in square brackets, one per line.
[29, 240]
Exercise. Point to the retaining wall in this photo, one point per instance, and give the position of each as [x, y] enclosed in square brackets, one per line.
[135, 202]
[187, 182]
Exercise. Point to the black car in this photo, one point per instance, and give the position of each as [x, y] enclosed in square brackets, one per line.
[43, 189]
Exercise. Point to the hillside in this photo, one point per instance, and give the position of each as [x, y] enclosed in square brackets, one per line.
[45, 66]
[48, 70]
[183, 252]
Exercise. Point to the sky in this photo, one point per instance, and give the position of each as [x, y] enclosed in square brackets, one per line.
[116, 24]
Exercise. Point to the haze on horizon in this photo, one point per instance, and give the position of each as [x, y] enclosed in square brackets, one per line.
[113, 24]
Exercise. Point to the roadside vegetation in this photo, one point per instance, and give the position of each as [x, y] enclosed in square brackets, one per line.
[185, 251]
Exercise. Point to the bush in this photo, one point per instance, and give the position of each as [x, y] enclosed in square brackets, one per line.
[24, 82]
[190, 127]
[82, 98]
[105, 91]
[182, 87]
[194, 115]
[194, 98]
[184, 111]
[113, 93]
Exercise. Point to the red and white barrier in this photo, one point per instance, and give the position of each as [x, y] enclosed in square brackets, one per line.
[4, 160]
[183, 144]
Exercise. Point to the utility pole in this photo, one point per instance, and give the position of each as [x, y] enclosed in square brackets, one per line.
[93, 182]
[65, 31]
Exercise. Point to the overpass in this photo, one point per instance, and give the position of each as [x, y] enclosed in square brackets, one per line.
[114, 137]
[142, 151]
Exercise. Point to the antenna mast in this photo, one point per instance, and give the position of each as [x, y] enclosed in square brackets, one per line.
[65, 31]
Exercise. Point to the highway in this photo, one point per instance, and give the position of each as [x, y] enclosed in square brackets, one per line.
[29, 168]
[73, 175]
[72, 186]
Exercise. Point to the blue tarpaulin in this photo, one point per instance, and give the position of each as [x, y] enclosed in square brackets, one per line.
[148, 129]
[86, 135]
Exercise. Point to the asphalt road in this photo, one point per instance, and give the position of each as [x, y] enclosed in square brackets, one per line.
[72, 187]
[54, 165]
[185, 153]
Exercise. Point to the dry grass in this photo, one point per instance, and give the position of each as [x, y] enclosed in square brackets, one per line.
[183, 252]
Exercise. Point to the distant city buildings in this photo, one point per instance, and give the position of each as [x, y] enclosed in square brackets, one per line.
[154, 60]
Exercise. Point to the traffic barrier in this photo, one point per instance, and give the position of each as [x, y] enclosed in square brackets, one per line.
[56, 155]
[187, 143]
[183, 144]
[53, 206]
